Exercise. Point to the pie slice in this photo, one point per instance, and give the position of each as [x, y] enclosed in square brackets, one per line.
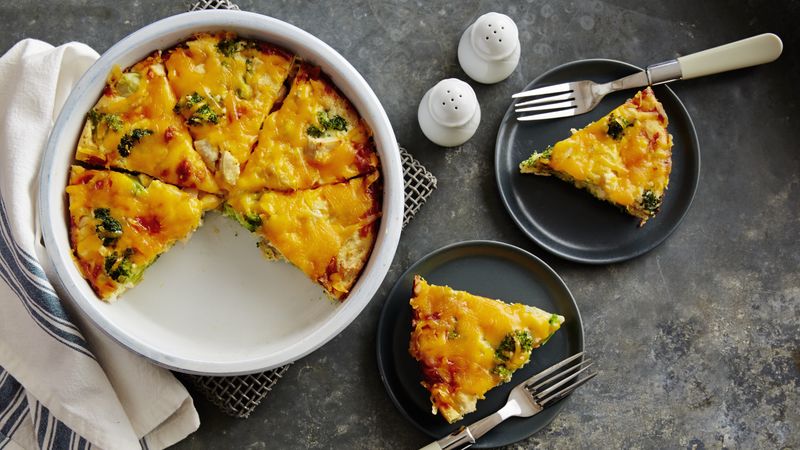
[225, 87]
[120, 224]
[467, 345]
[624, 158]
[315, 138]
[132, 127]
[327, 232]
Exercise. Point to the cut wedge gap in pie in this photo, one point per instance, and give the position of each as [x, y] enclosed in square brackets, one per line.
[624, 158]
[120, 223]
[316, 137]
[327, 232]
[132, 127]
[467, 345]
[226, 86]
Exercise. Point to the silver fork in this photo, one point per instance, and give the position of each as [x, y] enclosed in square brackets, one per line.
[526, 399]
[578, 97]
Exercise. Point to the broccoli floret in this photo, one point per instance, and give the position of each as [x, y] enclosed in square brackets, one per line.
[615, 130]
[203, 114]
[109, 229]
[112, 121]
[337, 123]
[94, 117]
[230, 46]
[650, 202]
[314, 132]
[130, 139]
[503, 372]
[616, 127]
[508, 346]
[253, 221]
[250, 221]
[188, 102]
[119, 267]
[524, 339]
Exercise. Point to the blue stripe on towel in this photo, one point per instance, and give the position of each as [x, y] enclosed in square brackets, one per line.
[27, 279]
[13, 407]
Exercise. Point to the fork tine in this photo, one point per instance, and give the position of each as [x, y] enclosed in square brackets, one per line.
[567, 390]
[539, 376]
[557, 376]
[549, 115]
[539, 395]
[551, 98]
[553, 89]
[548, 107]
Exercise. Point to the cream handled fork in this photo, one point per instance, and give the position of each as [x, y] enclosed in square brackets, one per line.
[526, 399]
[578, 97]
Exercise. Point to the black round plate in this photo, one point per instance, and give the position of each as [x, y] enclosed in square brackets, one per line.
[491, 269]
[569, 221]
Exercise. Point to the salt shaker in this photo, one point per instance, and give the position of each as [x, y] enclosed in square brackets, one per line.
[449, 113]
[489, 48]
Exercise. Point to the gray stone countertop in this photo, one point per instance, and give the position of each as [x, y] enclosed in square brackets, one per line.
[697, 342]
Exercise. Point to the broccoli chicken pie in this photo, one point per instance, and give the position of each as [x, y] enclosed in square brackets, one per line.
[232, 124]
[624, 158]
[467, 344]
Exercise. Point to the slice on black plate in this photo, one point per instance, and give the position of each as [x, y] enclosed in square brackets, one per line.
[492, 270]
[467, 345]
[571, 222]
[624, 158]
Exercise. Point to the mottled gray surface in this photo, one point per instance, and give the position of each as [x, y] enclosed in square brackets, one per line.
[697, 341]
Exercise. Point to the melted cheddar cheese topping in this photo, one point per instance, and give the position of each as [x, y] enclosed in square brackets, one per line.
[133, 127]
[624, 157]
[462, 343]
[190, 119]
[226, 87]
[315, 138]
[326, 232]
[120, 223]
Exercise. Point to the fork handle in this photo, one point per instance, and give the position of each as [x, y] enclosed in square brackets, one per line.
[466, 436]
[748, 52]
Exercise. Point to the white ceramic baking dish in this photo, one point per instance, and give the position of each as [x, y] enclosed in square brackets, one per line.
[214, 305]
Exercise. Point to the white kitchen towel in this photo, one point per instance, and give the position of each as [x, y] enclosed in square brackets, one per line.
[63, 383]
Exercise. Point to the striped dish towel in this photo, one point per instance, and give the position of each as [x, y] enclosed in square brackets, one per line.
[63, 384]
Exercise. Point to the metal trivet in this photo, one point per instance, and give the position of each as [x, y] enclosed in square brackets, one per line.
[238, 396]
[212, 4]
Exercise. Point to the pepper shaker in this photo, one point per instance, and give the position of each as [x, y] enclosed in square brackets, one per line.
[449, 113]
[489, 49]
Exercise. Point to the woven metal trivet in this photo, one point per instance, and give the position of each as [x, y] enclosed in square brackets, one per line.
[212, 4]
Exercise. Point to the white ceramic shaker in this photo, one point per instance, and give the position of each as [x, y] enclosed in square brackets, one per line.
[449, 113]
[489, 48]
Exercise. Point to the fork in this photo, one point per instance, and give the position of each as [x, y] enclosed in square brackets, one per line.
[526, 399]
[578, 97]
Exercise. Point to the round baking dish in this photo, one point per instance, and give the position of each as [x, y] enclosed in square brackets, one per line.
[214, 305]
